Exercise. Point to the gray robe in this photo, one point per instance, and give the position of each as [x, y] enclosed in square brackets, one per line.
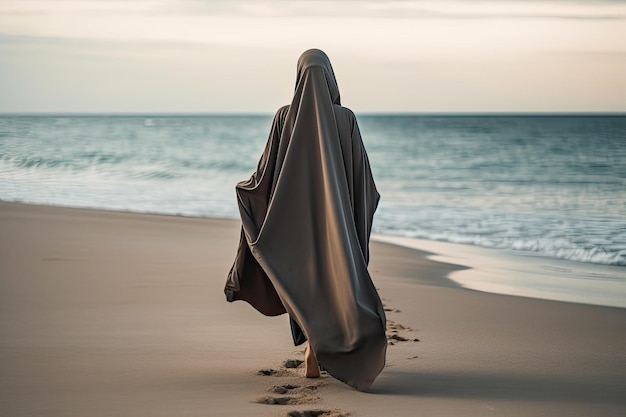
[306, 221]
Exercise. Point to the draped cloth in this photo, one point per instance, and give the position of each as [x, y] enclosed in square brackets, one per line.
[306, 220]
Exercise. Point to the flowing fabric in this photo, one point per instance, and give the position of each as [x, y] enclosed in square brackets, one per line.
[306, 220]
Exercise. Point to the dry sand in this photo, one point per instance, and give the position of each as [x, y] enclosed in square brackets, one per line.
[114, 314]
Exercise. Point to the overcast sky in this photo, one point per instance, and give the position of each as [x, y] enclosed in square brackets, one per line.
[240, 55]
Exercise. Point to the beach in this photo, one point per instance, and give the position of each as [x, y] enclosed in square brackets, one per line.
[117, 314]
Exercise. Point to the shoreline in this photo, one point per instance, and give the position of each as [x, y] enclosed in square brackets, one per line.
[527, 275]
[101, 310]
[572, 281]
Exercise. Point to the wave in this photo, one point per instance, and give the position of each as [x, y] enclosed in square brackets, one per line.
[553, 187]
[78, 162]
[554, 248]
[112, 163]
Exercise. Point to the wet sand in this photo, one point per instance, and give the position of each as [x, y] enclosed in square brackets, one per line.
[105, 313]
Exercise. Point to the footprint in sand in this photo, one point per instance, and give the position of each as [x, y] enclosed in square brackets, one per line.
[286, 400]
[289, 394]
[283, 389]
[273, 372]
[394, 329]
[267, 372]
[292, 394]
[292, 363]
[318, 413]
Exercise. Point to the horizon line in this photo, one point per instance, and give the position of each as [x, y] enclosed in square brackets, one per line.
[365, 113]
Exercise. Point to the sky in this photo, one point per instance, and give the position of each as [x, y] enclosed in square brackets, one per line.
[239, 56]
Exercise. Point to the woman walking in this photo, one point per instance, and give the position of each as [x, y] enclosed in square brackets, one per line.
[306, 220]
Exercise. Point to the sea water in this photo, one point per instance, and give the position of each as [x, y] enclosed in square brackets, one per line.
[547, 186]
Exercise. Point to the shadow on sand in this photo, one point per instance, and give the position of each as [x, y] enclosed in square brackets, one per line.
[581, 389]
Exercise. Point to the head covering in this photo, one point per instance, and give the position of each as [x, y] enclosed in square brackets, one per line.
[317, 58]
[306, 221]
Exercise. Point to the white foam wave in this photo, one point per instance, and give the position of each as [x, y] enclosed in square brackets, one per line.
[550, 247]
[505, 272]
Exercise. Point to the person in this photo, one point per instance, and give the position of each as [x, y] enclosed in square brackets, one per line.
[306, 221]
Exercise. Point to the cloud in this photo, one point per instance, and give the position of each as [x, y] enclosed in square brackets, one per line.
[469, 50]
[404, 9]
[503, 9]
[389, 39]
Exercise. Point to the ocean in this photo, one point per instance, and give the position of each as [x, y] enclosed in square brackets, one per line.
[550, 186]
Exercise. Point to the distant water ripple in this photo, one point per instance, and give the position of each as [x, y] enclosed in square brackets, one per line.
[555, 186]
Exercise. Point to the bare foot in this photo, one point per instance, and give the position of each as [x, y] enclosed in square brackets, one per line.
[312, 369]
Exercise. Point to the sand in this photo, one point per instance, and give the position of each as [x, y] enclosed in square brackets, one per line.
[116, 314]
